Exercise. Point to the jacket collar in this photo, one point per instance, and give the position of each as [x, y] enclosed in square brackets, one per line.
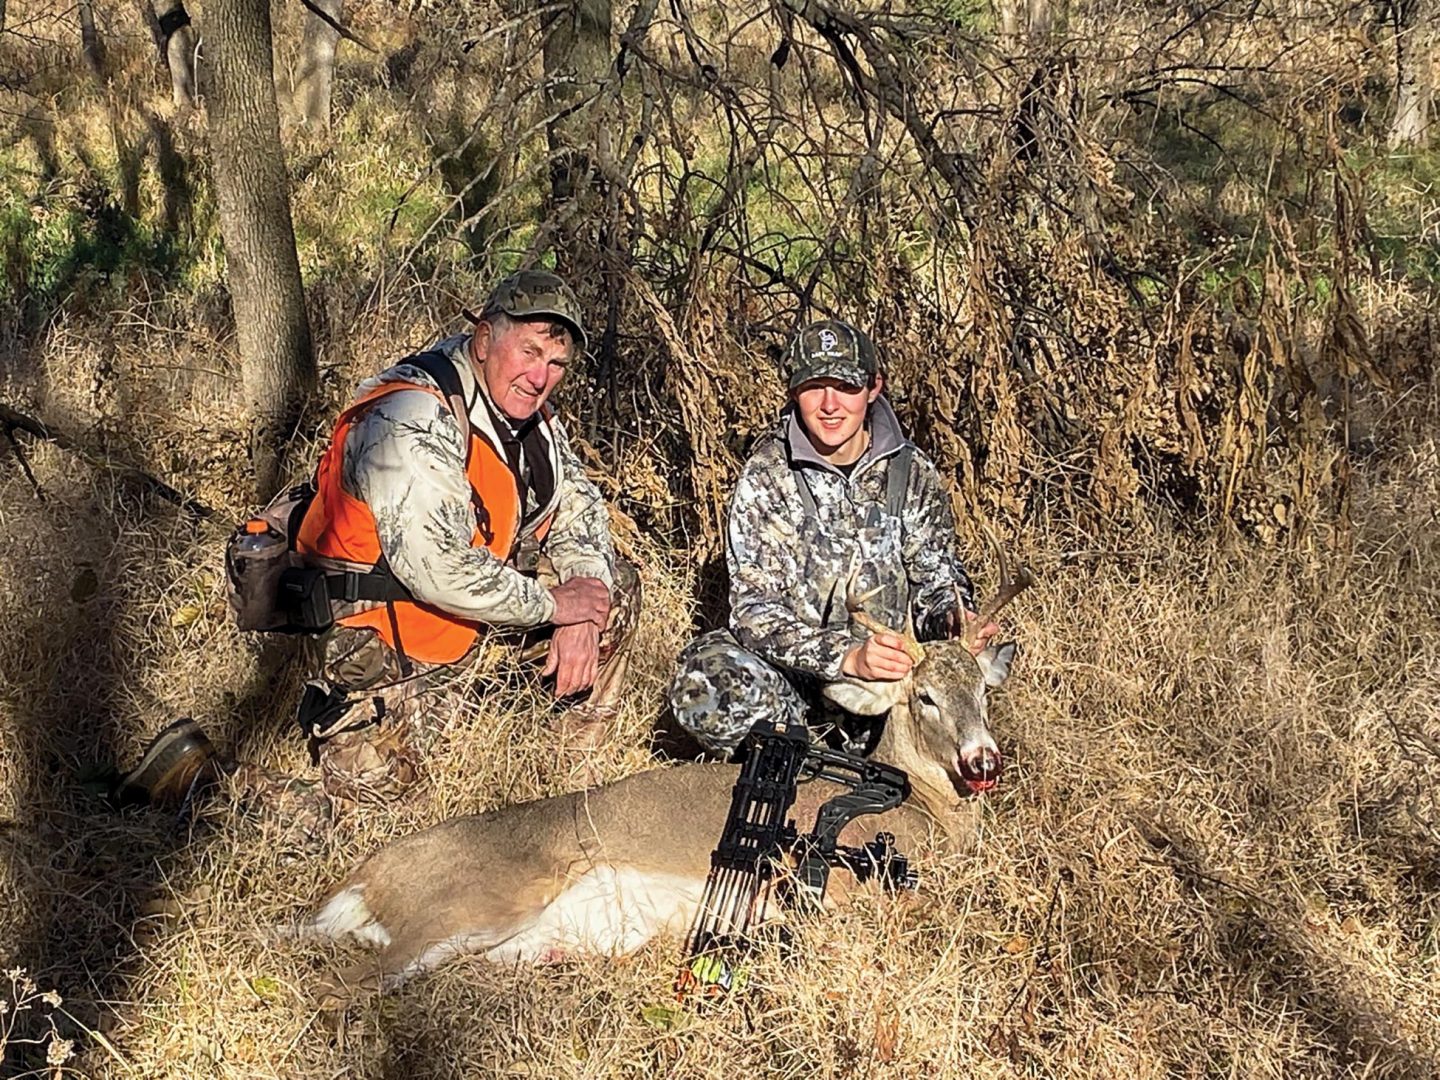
[885, 438]
[485, 415]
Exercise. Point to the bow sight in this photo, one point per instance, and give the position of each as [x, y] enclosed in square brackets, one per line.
[762, 862]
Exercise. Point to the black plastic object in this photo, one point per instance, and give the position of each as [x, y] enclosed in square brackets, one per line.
[750, 866]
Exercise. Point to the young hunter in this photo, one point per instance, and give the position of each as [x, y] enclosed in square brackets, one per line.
[836, 503]
[501, 530]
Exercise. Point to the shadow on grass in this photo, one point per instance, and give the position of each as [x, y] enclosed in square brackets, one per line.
[1272, 950]
[93, 885]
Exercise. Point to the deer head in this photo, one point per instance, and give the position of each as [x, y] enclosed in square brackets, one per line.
[938, 730]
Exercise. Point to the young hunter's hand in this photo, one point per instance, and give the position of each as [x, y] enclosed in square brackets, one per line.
[574, 658]
[881, 658]
[581, 600]
[958, 626]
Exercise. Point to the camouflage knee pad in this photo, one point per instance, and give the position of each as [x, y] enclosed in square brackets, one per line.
[721, 690]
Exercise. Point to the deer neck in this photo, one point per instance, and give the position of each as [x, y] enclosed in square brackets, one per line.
[929, 783]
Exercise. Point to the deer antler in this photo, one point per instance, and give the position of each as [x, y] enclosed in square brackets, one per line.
[1009, 589]
[855, 604]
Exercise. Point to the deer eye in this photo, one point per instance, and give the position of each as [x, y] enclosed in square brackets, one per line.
[926, 699]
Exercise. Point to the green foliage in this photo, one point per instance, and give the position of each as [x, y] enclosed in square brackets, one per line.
[964, 14]
[73, 240]
[367, 195]
[1404, 231]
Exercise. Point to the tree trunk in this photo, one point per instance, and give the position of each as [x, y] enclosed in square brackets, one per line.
[178, 38]
[91, 47]
[1414, 83]
[311, 99]
[252, 190]
[577, 60]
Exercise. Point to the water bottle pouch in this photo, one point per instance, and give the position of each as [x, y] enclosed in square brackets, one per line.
[258, 557]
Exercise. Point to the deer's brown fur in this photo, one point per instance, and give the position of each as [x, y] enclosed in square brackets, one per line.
[604, 870]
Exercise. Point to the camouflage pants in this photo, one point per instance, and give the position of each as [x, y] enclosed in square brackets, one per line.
[721, 690]
[372, 748]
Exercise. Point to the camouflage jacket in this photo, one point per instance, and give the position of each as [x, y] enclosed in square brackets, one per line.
[405, 458]
[790, 569]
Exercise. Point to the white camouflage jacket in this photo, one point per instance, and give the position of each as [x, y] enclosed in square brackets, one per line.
[405, 458]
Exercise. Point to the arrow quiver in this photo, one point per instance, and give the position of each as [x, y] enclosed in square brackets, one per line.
[763, 863]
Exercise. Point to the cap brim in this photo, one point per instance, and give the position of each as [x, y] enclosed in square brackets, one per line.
[856, 379]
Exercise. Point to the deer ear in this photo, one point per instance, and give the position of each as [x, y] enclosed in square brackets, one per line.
[866, 698]
[995, 663]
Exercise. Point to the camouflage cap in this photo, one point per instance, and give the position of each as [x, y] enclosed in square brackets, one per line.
[831, 349]
[538, 294]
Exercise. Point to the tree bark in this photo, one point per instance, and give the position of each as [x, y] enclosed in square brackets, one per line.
[1414, 82]
[577, 60]
[91, 48]
[178, 48]
[311, 99]
[252, 189]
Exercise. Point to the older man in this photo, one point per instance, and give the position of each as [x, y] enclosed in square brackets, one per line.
[449, 501]
[833, 504]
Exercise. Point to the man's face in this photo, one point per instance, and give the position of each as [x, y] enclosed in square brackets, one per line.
[833, 413]
[521, 365]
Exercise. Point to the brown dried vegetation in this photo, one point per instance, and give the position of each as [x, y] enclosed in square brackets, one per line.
[1143, 292]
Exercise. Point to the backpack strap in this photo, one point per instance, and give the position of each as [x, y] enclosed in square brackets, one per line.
[441, 370]
[897, 480]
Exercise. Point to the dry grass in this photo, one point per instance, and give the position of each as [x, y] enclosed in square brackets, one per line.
[1213, 855]
[1215, 851]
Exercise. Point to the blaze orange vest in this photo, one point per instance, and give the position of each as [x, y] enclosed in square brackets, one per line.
[339, 527]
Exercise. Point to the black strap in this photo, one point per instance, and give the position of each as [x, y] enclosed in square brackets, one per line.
[441, 370]
[175, 19]
[527, 455]
[897, 480]
[406, 668]
[374, 586]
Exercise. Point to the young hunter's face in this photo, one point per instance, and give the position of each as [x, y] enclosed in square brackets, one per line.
[521, 366]
[834, 417]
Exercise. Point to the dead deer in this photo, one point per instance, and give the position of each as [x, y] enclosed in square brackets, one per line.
[605, 870]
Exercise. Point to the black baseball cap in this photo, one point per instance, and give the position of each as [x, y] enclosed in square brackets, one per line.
[831, 349]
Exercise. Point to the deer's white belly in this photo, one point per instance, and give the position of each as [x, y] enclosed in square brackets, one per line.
[610, 910]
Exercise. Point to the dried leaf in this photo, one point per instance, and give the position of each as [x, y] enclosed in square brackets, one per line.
[660, 1016]
[185, 614]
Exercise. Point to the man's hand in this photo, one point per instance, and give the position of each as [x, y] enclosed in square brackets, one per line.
[960, 621]
[581, 600]
[881, 658]
[574, 657]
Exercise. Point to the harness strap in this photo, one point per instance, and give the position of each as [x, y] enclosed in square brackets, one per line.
[897, 480]
[441, 369]
[897, 483]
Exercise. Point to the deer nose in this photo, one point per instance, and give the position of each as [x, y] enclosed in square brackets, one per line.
[981, 768]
